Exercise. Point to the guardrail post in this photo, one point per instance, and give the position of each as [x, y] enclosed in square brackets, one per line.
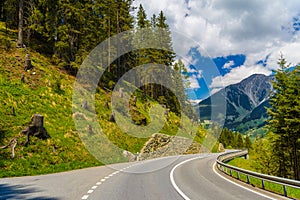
[230, 172]
[262, 184]
[284, 191]
[238, 175]
[248, 179]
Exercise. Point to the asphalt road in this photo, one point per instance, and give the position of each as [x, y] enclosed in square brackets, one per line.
[171, 178]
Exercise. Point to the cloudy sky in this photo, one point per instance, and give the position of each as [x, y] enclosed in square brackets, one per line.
[241, 37]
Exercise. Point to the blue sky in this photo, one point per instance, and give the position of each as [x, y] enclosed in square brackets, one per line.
[231, 39]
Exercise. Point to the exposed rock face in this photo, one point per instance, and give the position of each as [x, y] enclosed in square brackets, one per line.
[161, 145]
[131, 157]
[221, 148]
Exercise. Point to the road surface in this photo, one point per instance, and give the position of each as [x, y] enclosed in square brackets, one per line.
[170, 178]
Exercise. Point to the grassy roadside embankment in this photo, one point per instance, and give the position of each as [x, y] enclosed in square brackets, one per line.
[273, 187]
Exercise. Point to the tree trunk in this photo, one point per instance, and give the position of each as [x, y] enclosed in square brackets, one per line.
[118, 44]
[20, 26]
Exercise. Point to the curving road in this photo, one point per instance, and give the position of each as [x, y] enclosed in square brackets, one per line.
[171, 178]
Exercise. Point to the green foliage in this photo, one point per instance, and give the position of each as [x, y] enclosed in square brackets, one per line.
[263, 157]
[284, 120]
[248, 143]
[231, 140]
[5, 43]
[66, 31]
[239, 141]
[227, 138]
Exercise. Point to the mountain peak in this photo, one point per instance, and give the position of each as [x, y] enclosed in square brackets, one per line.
[242, 99]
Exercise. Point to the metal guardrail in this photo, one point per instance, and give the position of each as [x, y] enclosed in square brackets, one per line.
[222, 166]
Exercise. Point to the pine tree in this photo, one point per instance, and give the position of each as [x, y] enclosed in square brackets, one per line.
[227, 138]
[284, 120]
[239, 141]
[180, 83]
[248, 143]
[142, 38]
[163, 35]
[263, 157]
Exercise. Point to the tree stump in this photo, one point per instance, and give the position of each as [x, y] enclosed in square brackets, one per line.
[89, 129]
[28, 64]
[121, 93]
[106, 105]
[167, 112]
[134, 100]
[112, 117]
[35, 128]
[13, 112]
[85, 105]
[23, 78]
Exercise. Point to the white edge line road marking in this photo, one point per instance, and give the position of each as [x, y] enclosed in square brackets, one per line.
[214, 166]
[173, 181]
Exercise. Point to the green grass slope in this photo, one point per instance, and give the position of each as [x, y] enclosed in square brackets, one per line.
[48, 91]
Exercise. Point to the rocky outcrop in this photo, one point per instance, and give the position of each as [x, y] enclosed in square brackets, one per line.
[161, 145]
[130, 156]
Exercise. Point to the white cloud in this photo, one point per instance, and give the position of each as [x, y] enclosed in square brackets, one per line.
[220, 28]
[199, 74]
[227, 27]
[194, 102]
[228, 65]
[237, 75]
[190, 70]
[193, 80]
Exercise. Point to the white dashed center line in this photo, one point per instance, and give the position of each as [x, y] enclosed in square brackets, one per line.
[84, 197]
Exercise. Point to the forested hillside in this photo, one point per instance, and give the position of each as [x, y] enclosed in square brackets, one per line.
[43, 44]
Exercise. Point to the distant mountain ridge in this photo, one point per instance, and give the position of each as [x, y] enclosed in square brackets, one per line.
[245, 103]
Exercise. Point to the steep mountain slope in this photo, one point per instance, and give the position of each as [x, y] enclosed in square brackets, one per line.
[246, 102]
[47, 89]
